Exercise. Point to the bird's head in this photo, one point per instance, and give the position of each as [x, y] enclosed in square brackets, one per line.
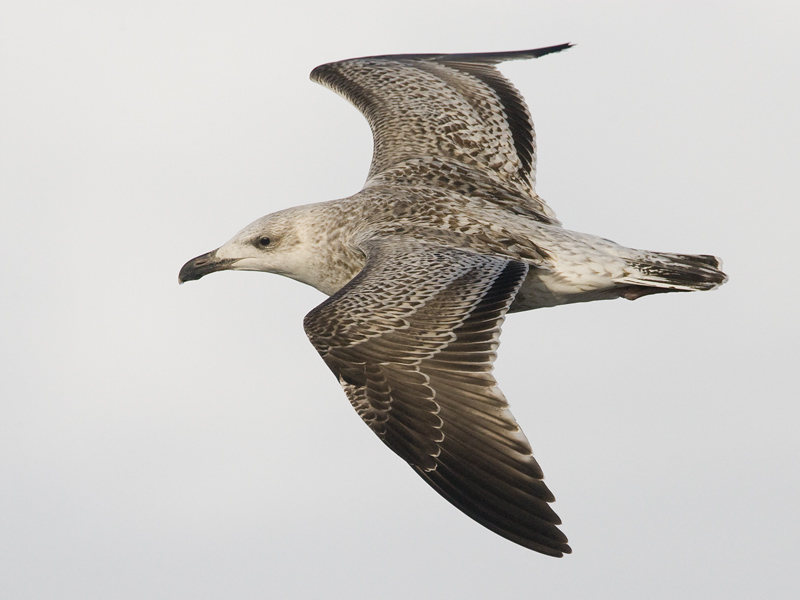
[276, 243]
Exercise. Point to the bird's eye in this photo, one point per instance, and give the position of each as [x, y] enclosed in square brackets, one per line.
[263, 241]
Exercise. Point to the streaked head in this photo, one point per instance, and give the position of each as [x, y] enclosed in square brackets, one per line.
[276, 243]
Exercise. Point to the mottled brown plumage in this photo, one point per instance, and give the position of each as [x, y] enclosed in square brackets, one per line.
[447, 236]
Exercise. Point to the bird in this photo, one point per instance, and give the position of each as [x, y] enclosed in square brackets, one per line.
[421, 266]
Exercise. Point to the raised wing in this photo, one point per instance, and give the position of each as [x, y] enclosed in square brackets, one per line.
[443, 116]
[412, 339]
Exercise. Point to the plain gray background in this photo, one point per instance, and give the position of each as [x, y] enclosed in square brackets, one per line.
[164, 442]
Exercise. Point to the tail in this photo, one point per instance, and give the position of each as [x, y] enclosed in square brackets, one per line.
[654, 272]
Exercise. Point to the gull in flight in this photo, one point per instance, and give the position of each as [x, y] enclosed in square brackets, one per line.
[422, 265]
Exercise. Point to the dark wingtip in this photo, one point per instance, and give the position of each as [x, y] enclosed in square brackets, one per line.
[492, 58]
[552, 49]
[498, 57]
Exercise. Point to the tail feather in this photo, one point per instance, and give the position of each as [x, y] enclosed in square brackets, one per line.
[680, 272]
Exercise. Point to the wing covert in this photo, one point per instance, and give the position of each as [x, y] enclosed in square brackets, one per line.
[412, 340]
[456, 110]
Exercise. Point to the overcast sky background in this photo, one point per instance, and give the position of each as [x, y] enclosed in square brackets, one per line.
[163, 442]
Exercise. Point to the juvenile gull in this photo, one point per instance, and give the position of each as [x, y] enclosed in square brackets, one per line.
[421, 266]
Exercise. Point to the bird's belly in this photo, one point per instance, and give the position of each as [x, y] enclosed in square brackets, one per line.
[543, 287]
